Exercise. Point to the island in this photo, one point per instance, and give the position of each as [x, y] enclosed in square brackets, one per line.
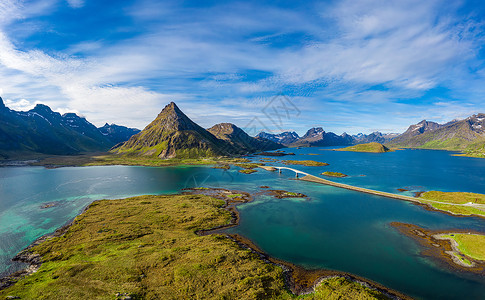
[306, 163]
[368, 147]
[457, 249]
[334, 174]
[458, 203]
[156, 247]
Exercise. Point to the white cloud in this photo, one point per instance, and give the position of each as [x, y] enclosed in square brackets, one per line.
[76, 3]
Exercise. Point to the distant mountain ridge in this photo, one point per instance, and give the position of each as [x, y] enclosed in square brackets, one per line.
[460, 135]
[117, 134]
[43, 131]
[317, 137]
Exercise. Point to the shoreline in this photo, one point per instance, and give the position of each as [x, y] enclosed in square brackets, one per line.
[297, 279]
[415, 200]
[300, 281]
[440, 248]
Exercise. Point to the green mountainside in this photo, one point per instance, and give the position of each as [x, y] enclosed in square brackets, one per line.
[41, 130]
[369, 147]
[464, 135]
[172, 134]
[240, 139]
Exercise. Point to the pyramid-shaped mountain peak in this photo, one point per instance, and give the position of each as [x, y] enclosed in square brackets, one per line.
[173, 134]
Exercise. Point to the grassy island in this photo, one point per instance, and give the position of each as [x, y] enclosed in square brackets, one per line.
[147, 248]
[456, 202]
[472, 245]
[369, 147]
[334, 174]
[306, 163]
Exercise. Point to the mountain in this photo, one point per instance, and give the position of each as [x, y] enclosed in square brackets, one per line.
[172, 134]
[241, 140]
[317, 137]
[284, 138]
[117, 134]
[467, 134]
[44, 131]
[375, 137]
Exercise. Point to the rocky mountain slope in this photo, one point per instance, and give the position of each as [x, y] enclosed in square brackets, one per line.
[317, 137]
[172, 134]
[117, 134]
[467, 134]
[43, 131]
[284, 138]
[241, 140]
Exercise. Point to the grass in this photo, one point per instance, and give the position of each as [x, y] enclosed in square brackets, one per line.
[146, 247]
[248, 165]
[307, 163]
[133, 160]
[369, 147]
[247, 171]
[334, 174]
[336, 288]
[448, 199]
[472, 245]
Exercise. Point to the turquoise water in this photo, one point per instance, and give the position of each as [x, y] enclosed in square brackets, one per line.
[334, 228]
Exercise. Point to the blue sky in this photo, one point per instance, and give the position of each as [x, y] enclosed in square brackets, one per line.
[353, 66]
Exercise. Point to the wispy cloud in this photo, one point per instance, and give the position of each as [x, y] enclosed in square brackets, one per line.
[343, 63]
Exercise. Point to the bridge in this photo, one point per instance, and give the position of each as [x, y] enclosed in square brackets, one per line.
[315, 179]
[312, 178]
[272, 168]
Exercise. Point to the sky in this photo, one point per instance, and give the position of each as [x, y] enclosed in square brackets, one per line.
[347, 66]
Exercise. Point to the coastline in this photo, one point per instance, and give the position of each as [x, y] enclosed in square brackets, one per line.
[442, 249]
[298, 280]
[416, 200]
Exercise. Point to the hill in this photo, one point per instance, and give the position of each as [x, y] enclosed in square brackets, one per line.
[369, 147]
[241, 140]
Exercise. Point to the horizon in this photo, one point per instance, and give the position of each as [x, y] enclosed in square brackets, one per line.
[344, 66]
[300, 134]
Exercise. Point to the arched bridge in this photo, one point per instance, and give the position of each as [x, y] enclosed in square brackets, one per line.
[297, 172]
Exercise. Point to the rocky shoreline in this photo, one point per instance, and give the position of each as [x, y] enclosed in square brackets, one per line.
[441, 249]
[33, 260]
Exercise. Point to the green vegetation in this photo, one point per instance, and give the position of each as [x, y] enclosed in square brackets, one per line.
[341, 288]
[334, 174]
[472, 245]
[307, 163]
[248, 165]
[247, 171]
[146, 247]
[369, 147]
[456, 202]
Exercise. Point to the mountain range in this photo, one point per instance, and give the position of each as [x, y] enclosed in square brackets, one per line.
[43, 131]
[317, 137]
[460, 135]
[172, 134]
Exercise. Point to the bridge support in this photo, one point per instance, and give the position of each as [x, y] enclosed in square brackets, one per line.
[296, 175]
[279, 170]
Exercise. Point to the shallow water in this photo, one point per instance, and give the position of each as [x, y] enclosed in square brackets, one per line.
[334, 228]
